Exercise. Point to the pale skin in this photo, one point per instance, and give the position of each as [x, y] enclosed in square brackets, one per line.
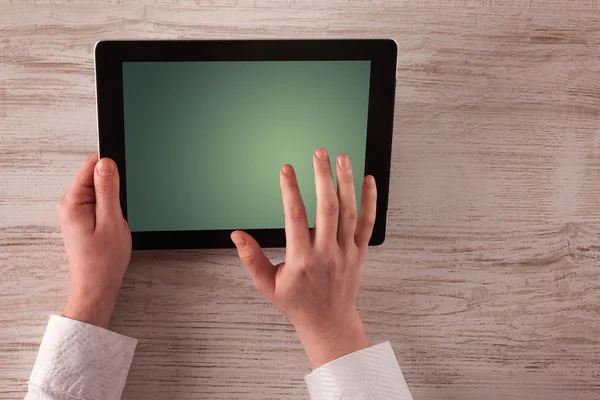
[315, 287]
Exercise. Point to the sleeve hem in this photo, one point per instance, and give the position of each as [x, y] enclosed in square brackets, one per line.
[369, 374]
[83, 361]
[49, 389]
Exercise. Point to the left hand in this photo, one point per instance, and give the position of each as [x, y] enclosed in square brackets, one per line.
[97, 240]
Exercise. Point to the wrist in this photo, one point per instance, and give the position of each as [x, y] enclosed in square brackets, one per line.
[91, 307]
[325, 345]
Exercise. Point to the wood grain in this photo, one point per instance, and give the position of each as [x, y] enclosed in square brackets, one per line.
[488, 284]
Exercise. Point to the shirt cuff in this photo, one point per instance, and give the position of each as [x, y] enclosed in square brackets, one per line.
[82, 361]
[369, 374]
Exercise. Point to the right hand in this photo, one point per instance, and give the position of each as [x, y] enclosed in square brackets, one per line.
[317, 284]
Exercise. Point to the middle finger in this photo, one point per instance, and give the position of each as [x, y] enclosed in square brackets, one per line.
[326, 219]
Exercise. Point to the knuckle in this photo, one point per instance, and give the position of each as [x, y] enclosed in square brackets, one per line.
[290, 182]
[104, 188]
[330, 208]
[346, 178]
[370, 193]
[297, 214]
[369, 221]
[330, 260]
[350, 215]
[305, 263]
[62, 207]
[109, 228]
[324, 167]
[248, 258]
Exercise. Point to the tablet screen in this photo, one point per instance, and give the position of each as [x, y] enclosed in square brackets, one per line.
[204, 141]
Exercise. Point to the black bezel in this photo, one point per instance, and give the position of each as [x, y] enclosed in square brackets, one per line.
[109, 56]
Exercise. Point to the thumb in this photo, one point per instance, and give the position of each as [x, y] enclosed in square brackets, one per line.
[258, 265]
[106, 185]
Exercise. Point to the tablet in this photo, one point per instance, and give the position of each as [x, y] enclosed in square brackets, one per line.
[200, 129]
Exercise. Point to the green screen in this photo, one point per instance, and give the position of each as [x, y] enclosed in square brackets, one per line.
[204, 141]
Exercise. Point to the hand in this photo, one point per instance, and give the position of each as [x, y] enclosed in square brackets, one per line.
[317, 284]
[97, 240]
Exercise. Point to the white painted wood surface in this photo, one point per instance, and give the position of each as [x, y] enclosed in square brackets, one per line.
[488, 285]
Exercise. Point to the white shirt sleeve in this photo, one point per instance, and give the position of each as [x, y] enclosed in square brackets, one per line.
[79, 361]
[369, 374]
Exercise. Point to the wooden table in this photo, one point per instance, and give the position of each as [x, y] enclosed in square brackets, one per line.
[488, 284]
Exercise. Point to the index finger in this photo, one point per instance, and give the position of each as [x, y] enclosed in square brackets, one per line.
[296, 223]
[326, 219]
[81, 190]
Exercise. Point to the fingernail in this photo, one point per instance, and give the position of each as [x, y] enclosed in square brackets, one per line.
[238, 240]
[343, 161]
[106, 167]
[321, 154]
[287, 170]
[370, 182]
